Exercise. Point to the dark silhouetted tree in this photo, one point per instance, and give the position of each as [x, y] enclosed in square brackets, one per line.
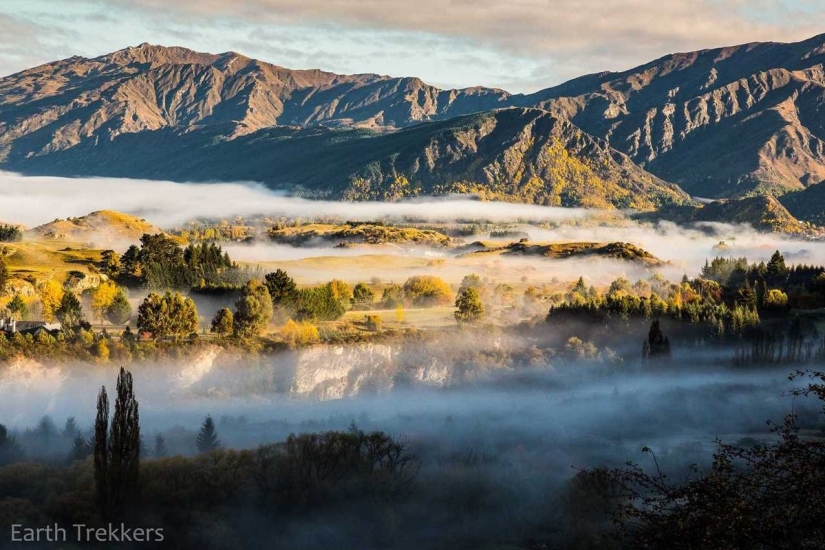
[101, 453]
[124, 441]
[282, 288]
[207, 436]
[160, 446]
[117, 450]
[9, 449]
[657, 346]
[777, 272]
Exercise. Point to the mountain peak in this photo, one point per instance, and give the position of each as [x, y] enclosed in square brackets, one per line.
[157, 55]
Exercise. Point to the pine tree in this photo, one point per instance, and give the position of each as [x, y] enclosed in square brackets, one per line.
[160, 446]
[776, 272]
[70, 312]
[657, 345]
[81, 448]
[207, 436]
[70, 429]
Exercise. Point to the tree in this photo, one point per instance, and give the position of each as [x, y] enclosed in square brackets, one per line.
[10, 234]
[70, 312]
[392, 296]
[207, 440]
[160, 446]
[471, 281]
[427, 291]
[111, 263]
[18, 308]
[299, 334]
[470, 309]
[362, 297]
[101, 453]
[223, 322]
[776, 299]
[70, 429]
[51, 293]
[319, 304]
[341, 292]
[81, 448]
[119, 310]
[170, 315]
[763, 495]
[9, 449]
[657, 345]
[777, 271]
[253, 310]
[102, 298]
[4, 275]
[282, 288]
[124, 447]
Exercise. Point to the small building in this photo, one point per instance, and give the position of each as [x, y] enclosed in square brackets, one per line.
[13, 326]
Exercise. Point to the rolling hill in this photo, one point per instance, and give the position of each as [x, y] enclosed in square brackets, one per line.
[103, 225]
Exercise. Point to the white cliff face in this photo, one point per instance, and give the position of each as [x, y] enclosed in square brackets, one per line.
[200, 366]
[334, 372]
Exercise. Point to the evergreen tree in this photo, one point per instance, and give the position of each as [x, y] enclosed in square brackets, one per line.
[80, 448]
[282, 288]
[160, 446]
[207, 437]
[657, 345]
[776, 272]
[9, 449]
[70, 429]
[70, 312]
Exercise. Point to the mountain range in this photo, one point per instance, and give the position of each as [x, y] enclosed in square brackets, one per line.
[725, 123]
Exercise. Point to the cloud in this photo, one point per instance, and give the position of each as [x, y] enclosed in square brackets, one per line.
[36, 200]
[578, 36]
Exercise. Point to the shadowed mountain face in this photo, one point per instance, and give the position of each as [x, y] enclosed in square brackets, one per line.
[524, 155]
[726, 122]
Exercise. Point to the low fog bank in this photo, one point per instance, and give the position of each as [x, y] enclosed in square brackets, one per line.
[34, 200]
[583, 416]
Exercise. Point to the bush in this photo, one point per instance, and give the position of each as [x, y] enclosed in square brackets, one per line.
[373, 322]
[427, 291]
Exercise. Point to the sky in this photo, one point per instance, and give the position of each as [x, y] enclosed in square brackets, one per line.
[517, 45]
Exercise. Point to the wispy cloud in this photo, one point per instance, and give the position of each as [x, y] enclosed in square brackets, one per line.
[520, 45]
